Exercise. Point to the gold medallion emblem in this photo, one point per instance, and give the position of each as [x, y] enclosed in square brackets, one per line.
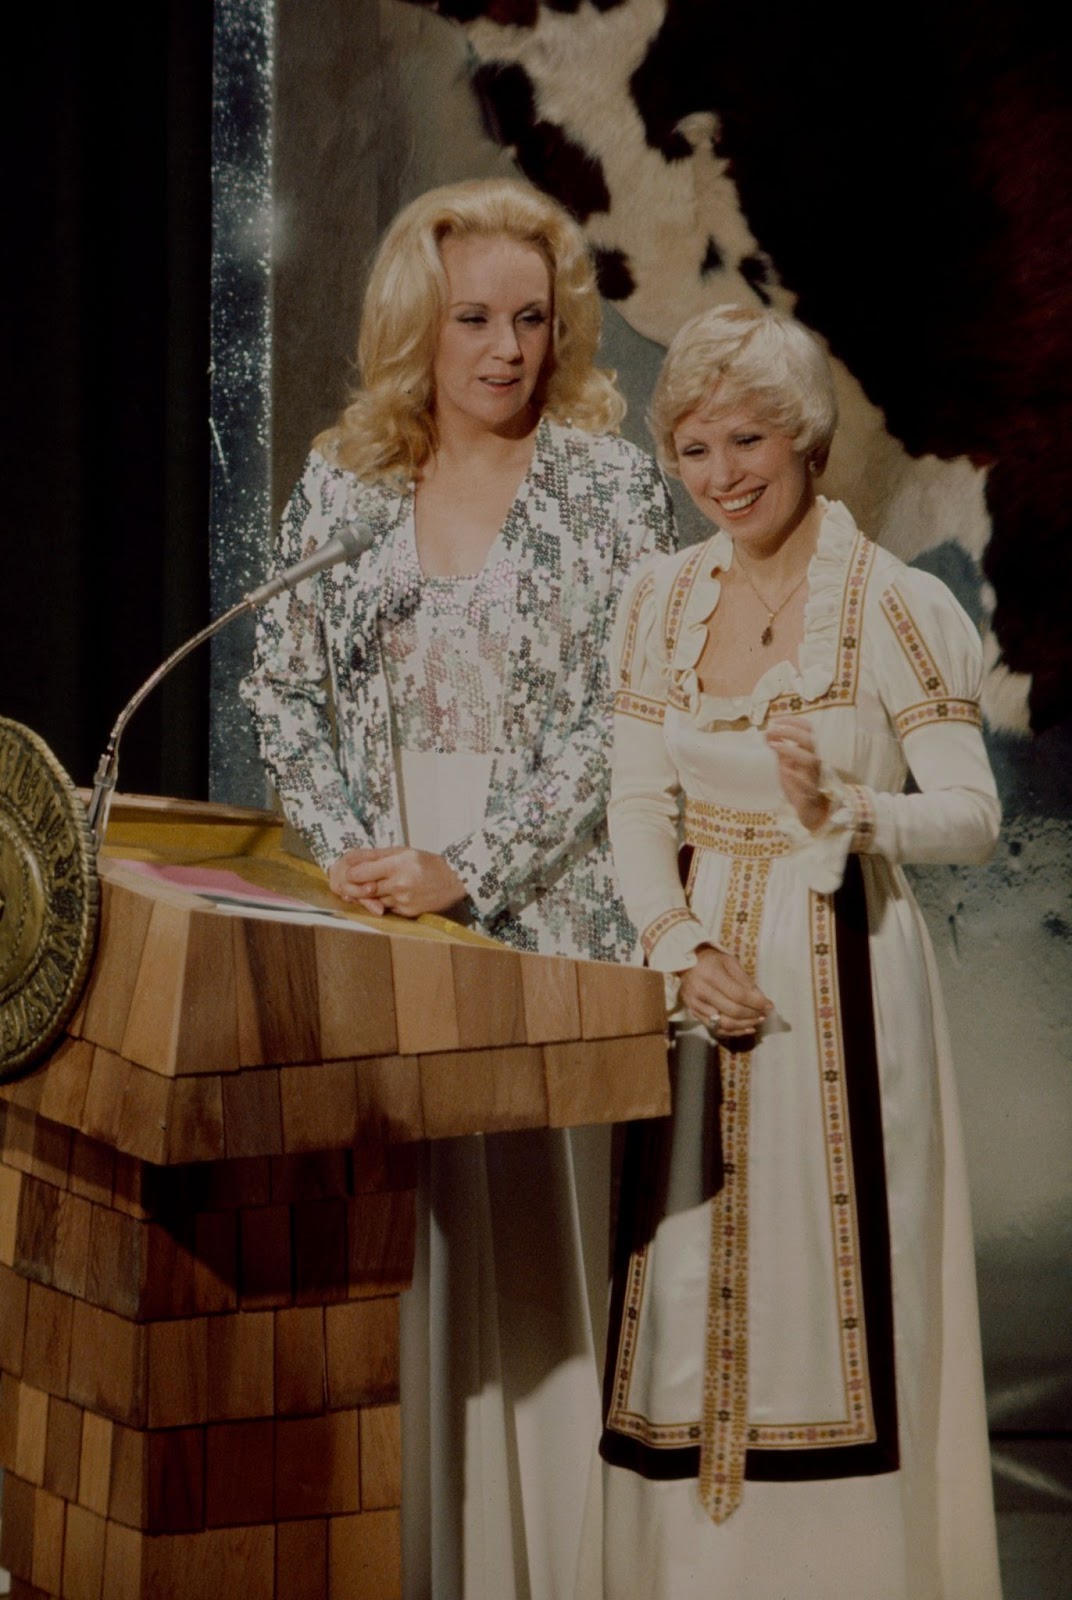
[49, 898]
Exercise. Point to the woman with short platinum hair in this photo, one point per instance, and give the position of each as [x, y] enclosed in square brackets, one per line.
[794, 1400]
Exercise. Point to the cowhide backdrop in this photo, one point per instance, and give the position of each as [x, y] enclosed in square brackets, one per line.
[899, 177]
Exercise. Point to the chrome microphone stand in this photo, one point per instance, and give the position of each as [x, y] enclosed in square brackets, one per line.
[344, 547]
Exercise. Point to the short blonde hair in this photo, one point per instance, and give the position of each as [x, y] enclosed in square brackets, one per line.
[388, 429]
[736, 354]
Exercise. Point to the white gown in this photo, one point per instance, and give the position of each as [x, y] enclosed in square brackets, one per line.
[500, 1388]
[795, 1403]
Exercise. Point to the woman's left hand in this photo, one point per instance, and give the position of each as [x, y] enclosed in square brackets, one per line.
[799, 768]
[408, 882]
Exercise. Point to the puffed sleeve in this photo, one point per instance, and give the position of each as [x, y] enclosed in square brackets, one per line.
[928, 669]
[286, 691]
[644, 809]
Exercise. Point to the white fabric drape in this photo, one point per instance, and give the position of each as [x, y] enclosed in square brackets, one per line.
[500, 1377]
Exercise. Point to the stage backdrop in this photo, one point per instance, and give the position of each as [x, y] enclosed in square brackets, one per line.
[907, 198]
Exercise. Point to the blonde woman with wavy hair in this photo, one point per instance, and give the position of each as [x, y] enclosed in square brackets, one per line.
[435, 716]
[389, 428]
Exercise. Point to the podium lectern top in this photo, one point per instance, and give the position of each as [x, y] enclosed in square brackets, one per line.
[265, 1020]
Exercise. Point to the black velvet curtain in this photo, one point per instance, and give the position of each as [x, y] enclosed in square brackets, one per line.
[105, 381]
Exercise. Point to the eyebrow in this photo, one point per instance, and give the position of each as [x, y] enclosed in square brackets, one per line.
[733, 425]
[482, 305]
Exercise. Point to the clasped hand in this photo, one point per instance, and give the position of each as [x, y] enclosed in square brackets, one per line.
[719, 992]
[397, 878]
[717, 989]
[799, 769]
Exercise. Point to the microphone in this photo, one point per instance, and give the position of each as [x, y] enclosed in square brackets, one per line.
[346, 546]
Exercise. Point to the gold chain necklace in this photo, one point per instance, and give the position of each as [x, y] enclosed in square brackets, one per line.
[767, 636]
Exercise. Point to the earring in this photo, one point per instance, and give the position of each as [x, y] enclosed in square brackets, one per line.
[813, 466]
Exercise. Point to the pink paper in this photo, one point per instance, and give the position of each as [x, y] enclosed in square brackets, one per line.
[212, 881]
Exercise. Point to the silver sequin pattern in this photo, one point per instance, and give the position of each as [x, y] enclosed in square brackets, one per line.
[445, 644]
[538, 870]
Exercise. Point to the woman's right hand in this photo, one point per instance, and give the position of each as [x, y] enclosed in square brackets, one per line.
[340, 884]
[719, 992]
[396, 878]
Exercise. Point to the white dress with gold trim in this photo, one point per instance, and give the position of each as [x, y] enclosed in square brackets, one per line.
[794, 1403]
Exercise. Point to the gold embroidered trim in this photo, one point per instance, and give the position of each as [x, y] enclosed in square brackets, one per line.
[724, 1421]
[656, 1435]
[842, 691]
[662, 925]
[678, 600]
[858, 1425]
[644, 589]
[745, 835]
[947, 710]
[909, 638]
[641, 706]
[863, 832]
[618, 1418]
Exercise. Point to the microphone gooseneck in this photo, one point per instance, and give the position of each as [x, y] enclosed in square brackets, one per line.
[346, 546]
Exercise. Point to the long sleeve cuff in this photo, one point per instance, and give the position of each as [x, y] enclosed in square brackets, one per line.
[849, 829]
[670, 942]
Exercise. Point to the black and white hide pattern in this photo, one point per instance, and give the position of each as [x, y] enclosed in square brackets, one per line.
[901, 180]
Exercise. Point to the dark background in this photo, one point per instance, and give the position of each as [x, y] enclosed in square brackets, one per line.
[105, 364]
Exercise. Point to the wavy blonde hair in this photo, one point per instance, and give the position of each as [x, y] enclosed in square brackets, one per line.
[732, 355]
[388, 429]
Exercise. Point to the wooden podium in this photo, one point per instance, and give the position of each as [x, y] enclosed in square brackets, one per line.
[207, 1210]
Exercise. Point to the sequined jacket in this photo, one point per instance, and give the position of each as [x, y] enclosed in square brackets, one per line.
[538, 872]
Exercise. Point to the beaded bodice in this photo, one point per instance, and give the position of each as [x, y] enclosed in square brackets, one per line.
[444, 643]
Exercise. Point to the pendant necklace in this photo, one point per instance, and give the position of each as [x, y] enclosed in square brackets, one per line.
[767, 636]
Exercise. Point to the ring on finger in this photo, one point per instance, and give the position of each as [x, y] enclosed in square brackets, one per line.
[714, 1021]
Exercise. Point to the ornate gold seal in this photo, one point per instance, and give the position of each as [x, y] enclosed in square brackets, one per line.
[49, 898]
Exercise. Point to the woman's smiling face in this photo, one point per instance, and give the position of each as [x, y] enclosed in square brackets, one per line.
[743, 475]
[495, 334]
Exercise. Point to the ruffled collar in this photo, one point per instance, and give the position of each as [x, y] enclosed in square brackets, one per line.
[828, 573]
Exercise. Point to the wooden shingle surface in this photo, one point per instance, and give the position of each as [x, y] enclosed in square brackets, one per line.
[218, 1392]
[206, 1033]
[207, 1215]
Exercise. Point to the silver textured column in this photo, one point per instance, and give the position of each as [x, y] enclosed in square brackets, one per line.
[241, 421]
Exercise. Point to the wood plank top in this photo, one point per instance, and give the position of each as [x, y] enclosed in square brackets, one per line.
[237, 1008]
